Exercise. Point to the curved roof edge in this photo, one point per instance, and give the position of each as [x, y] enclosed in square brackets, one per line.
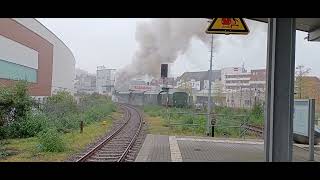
[54, 36]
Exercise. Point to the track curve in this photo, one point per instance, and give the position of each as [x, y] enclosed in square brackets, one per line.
[117, 146]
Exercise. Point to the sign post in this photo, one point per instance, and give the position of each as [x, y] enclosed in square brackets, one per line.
[222, 26]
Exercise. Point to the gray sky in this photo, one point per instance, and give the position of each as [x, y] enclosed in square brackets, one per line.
[111, 42]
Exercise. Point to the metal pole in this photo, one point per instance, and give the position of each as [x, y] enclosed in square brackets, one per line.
[81, 126]
[311, 128]
[278, 127]
[209, 94]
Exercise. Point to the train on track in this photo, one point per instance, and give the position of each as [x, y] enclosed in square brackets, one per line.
[178, 99]
[174, 98]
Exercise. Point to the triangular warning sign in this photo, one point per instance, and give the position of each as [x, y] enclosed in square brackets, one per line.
[227, 26]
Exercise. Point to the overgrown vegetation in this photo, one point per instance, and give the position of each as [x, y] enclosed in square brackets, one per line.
[29, 149]
[50, 141]
[185, 121]
[15, 104]
[21, 117]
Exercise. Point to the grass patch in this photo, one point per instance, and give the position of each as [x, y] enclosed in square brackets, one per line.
[176, 123]
[25, 150]
[51, 141]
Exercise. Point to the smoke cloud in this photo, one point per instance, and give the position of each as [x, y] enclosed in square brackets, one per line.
[162, 41]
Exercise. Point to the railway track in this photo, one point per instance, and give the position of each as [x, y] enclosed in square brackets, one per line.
[257, 130]
[120, 144]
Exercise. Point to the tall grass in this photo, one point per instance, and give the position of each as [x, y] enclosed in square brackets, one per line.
[186, 121]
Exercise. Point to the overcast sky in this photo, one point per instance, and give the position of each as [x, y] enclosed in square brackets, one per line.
[111, 42]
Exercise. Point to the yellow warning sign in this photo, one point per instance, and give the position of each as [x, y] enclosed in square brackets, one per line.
[227, 26]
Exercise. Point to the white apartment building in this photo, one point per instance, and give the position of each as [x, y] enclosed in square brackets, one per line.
[243, 89]
[105, 80]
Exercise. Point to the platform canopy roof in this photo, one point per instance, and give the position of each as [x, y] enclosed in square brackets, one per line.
[309, 25]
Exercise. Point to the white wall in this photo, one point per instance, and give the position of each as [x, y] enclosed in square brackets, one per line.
[17, 53]
[63, 59]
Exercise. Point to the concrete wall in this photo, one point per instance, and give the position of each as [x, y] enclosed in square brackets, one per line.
[134, 98]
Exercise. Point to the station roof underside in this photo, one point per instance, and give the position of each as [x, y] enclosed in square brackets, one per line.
[309, 25]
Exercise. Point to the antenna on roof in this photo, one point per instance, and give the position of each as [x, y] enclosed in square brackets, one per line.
[243, 69]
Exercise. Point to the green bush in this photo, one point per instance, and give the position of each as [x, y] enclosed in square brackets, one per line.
[90, 109]
[50, 141]
[60, 104]
[60, 112]
[257, 115]
[14, 102]
[3, 132]
[33, 123]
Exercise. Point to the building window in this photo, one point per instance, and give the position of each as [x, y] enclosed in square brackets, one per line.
[14, 71]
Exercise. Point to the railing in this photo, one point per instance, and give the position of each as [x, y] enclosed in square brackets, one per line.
[223, 125]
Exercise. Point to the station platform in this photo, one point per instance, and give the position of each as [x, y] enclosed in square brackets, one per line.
[163, 148]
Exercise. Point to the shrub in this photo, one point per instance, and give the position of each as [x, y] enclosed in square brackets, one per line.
[33, 123]
[66, 123]
[14, 102]
[50, 141]
[60, 112]
[3, 132]
[257, 114]
[60, 104]
[91, 108]
[22, 101]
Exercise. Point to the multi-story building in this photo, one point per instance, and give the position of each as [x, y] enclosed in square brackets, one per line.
[197, 84]
[170, 82]
[30, 51]
[85, 82]
[235, 78]
[105, 80]
[242, 88]
[258, 79]
[197, 80]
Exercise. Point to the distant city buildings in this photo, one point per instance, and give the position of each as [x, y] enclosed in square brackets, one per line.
[85, 83]
[102, 82]
[232, 86]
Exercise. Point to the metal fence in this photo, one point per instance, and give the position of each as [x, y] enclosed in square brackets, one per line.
[222, 125]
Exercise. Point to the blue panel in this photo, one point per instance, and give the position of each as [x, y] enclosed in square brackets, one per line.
[300, 117]
[14, 71]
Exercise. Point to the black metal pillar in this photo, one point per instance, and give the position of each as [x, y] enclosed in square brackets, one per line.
[280, 86]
